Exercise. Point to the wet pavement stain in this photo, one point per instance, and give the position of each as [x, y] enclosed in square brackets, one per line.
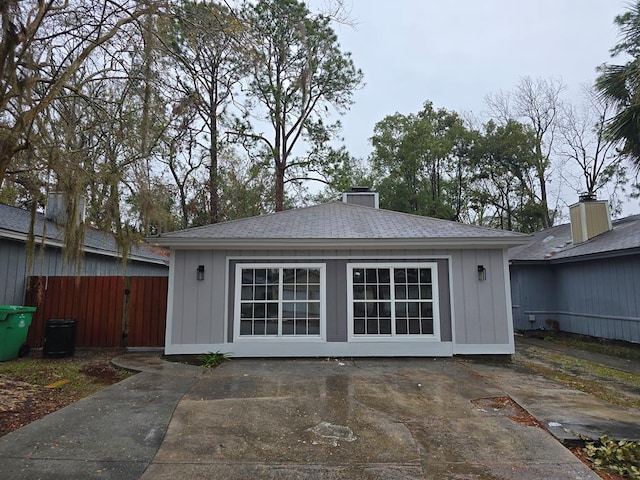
[331, 434]
[391, 419]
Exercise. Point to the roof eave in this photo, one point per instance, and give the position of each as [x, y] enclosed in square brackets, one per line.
[324, 243]
[22, 237]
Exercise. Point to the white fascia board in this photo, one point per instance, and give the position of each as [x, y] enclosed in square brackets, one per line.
[331, 243]
[11, 235]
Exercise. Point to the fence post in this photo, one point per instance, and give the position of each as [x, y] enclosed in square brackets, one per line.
[125, 311]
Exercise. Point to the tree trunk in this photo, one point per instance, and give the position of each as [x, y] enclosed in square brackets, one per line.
[8, 148]
[213, 171]
[546, 218]
[214, 101]
[279, 187]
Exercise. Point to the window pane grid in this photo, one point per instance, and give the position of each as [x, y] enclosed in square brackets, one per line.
[280, 301]
[390, 301]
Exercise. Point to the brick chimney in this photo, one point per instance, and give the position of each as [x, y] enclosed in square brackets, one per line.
[361, 196]
[589, 218]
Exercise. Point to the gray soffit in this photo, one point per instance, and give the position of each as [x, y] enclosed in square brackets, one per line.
[14, 224]
[342, 225]
[554, 244]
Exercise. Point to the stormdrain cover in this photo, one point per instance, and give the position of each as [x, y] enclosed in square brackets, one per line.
[328, 433]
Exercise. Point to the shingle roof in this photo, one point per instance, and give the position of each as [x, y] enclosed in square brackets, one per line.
[337, 221]
[15, 222]
[555, 243]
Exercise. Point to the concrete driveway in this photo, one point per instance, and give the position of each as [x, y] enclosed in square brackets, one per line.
[311, 419]
[375, 419]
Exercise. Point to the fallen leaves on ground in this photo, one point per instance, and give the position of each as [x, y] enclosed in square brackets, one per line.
[22, 402]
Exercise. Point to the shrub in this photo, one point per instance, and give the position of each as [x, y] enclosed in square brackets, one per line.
[620, 457]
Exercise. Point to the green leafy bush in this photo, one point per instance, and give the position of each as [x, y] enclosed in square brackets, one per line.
[213, 359]
[621, 457]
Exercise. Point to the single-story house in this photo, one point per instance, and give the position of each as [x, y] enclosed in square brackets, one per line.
[101, 254]
[339, 279]
[582, 277]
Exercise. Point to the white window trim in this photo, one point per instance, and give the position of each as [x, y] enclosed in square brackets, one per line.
[282, 338]
[351, 337]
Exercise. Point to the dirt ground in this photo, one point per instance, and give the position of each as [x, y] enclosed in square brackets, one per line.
[32, 387]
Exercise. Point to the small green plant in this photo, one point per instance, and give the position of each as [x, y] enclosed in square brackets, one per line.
[621, 457]
[213, 359]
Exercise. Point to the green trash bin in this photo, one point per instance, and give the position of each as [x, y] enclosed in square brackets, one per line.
[14, 325]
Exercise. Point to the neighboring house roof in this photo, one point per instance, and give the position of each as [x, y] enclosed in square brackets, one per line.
[14, 224]
[340, 224]
[554, 244]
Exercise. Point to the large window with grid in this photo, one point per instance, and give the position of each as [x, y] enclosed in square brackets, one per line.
[279, 300]
[393, 300]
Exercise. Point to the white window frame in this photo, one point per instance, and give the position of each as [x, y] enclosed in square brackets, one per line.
[393, 336]
[279, 338]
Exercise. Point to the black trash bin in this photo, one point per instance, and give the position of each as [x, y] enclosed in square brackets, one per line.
[59, 337]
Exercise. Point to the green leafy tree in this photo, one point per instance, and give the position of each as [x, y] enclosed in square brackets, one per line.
[339, 173]
[418, 162]
[203, 41]
[297, 73]
[504, 161]
[620, 84]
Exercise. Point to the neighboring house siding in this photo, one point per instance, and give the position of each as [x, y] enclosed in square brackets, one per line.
[201, 312]
[600, 298]
[13, 260]
[533, 287]
[592, 297]
[12, 267]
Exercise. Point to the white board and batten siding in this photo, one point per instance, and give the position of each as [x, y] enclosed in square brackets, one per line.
[200, 312]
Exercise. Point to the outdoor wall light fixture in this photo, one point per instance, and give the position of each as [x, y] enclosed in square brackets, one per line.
[200, 272]
[482, 273]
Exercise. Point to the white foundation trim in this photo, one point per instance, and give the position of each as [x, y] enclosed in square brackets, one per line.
[318, 349]
[488, 349]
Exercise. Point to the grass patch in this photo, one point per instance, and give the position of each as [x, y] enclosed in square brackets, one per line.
[585, 367]
[41, 372]
[593, 387]
[605, 347]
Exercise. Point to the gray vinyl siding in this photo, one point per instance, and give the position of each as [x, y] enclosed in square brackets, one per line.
[533, 288]
[480, 308]
[198, 305]
[596, 297]
[13, 264]
[472, 311]
[13, 268]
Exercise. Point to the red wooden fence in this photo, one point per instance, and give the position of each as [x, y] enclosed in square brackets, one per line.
[110, 311]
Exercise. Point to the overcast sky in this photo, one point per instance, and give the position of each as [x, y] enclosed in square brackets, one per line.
[455, 52]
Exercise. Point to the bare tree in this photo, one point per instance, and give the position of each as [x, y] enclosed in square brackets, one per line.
[536, 103]
[585, 146]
